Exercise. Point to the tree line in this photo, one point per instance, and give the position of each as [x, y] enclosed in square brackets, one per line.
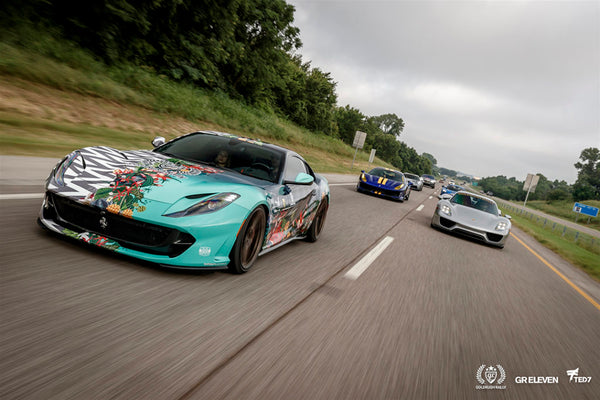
[587, 186]
[247, 49]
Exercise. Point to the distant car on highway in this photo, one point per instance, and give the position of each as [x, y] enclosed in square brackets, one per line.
[428, 180]
[415, 181]
[384, 182]
[450, 189]
[206, 200]
[472, 215]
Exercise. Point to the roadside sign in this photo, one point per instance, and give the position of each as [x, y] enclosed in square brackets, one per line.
[372, 156]
[359, 142]
[359, 139]
[585, 209]
[531, 183]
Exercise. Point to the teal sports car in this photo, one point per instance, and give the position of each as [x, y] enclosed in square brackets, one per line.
[206, 200]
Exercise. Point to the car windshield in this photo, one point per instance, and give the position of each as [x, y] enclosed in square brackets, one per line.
[387, 173]
[428, 176]
[411, 176]
[478, 203]
[248, 157]
[454, 188]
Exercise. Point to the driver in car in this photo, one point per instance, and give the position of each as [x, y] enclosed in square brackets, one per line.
[222, 159]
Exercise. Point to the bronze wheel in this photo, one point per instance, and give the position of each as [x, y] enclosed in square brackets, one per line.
[317, 225]
[249, 242]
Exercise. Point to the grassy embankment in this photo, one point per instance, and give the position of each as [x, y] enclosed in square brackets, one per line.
[55, 97]
[576, 247]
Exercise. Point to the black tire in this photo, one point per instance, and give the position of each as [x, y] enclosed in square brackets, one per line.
[407, 194]
[317, 225]
[248, 243]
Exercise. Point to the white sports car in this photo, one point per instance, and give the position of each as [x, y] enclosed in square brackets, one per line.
[473, 216]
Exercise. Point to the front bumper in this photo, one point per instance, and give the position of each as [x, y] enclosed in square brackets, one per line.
[191, 242]
[364, 187]
[447, 224]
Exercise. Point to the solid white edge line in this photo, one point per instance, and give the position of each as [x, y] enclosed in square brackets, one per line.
[420, 207]
[21, 196]
[368, 259]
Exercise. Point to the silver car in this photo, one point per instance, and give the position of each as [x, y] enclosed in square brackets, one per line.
[472, 215]
[415, 180]
[428, 180]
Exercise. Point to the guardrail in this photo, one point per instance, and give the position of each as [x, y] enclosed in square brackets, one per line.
[581, 239]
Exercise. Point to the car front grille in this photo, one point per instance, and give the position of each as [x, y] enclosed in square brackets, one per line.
[494, 237]
[376, 190]
[445, 222]
[130, 233]
[467, 233]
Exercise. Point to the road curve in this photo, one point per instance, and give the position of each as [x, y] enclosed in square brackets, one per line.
[419, 322]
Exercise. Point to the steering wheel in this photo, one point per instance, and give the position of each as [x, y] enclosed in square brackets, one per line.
[262, 166]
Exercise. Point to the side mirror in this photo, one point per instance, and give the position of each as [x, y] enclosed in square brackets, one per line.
[507, 216]
[445, 196]
[158, 141]
[301, 179]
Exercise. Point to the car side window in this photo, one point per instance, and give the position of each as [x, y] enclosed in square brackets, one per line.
[293, 167]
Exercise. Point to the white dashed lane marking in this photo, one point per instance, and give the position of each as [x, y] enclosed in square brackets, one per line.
[368, 259]
[21, 196]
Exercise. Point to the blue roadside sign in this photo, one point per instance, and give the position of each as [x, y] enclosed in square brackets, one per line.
[584, 209]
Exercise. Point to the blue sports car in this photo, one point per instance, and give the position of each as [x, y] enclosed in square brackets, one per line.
[203, 200]
[450, 189]
[384, 182]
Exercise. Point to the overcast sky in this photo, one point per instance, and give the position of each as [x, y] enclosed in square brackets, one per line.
[488, 87]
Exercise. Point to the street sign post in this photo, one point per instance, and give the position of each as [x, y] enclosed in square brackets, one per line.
[530, 184]
[359, 142]
[372, 156]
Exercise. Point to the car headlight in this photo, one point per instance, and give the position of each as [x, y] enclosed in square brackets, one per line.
[212, 204]
[399, 187]
[501, 226]
[446, 209]
[363, 177]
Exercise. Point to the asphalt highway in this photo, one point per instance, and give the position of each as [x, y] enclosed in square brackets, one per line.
[424, 319]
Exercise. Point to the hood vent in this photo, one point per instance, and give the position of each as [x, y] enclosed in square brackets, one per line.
[198, 196]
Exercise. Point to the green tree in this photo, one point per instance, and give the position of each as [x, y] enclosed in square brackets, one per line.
[588, 175]
[348, 120]
[430, 158]
[448, 172]
[390, 124]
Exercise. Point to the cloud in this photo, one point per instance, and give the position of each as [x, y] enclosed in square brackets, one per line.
[487, 87]
[450, 98]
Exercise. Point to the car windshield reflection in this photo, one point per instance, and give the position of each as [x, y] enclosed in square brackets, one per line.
[387, 173]
[245, 156]
[475, 202]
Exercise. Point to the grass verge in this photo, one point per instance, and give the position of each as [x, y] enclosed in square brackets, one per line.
[578, 248]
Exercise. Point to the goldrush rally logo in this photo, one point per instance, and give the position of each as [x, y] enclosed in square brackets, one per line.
[490, 377]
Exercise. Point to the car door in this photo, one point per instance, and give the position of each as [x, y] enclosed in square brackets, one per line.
[294, 206]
